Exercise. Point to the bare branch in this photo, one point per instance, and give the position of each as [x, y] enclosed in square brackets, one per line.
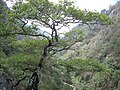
[65, 48]
[20, 80]
[26, 34]
[74, 88]
[24, 23]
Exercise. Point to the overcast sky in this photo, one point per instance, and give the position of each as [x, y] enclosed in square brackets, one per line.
[93, 4]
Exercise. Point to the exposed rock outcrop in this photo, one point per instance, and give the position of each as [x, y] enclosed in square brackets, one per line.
[5, 82]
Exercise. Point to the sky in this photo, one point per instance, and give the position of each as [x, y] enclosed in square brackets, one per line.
[93, 5]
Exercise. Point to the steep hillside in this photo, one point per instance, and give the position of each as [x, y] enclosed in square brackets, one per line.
[101, 42]
[106, 43]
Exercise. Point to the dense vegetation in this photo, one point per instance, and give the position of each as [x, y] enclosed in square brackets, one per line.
[34, 55]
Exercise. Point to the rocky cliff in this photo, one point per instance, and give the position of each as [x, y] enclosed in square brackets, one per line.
[101, 42]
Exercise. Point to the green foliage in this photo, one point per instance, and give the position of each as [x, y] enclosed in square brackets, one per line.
[29, 45]
[86, 65]
[74, 35]
[89, 74]
[27, 51]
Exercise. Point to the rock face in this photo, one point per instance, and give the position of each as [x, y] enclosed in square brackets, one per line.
[105, 44]
[5, 83]
[101, 42]
[2, 3]
[3, 6]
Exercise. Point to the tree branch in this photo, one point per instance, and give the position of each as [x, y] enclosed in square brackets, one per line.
[24, 23]
[65, 48]
[74, 88]
[20, 80]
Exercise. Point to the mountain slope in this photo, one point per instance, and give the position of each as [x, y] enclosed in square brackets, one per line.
[101, 42]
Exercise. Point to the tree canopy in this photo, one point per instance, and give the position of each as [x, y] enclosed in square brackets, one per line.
[36, 50]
